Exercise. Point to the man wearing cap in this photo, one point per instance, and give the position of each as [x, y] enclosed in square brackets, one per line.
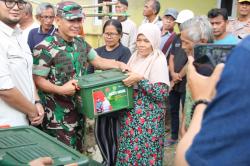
[167, 32]
[240, 26]
[58, 61]
[177, 62]
[129, 29]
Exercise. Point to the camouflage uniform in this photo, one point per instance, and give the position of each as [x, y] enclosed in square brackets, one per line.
[60, 61]
[239, 29]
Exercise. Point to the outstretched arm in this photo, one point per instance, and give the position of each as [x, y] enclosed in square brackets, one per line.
[104, 64]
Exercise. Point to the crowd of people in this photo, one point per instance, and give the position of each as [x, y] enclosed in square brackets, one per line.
[41, 61]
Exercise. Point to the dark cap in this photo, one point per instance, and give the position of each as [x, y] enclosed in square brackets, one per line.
[69, 10]
[124, 2]
[171, 12]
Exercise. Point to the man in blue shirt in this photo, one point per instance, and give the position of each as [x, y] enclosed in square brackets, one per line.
[219, 134]
[219, 20]
[45, 14]
[167, 31]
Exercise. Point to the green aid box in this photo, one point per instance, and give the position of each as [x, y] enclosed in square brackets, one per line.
[104, 92]
[20, 145]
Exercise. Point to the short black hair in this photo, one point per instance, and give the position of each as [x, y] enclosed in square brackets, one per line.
[115, 23]
[124, 2]
[218, 12]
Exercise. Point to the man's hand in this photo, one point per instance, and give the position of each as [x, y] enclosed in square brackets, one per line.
[176, 77]
[32, 114]
[172, 83]
[132, 79]
[69, 88]
[42, 161]
[202, 87]
[39, 119]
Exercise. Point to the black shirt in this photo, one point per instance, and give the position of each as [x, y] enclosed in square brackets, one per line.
[180, 60]
[120, 53]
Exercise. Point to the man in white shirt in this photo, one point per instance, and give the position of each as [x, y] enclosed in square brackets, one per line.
[27, 21]
[17, 92]
[150, 12]
[129, 29]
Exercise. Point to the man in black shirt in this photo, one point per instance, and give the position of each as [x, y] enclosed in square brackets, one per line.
[177, 62]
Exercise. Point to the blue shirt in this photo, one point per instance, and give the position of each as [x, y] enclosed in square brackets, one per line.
[36, 36]
[229, 39]
[164, 39]
[225, 132]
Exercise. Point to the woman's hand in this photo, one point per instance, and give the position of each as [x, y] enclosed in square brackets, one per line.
[132, 79]
[202, 87]
[123, 67]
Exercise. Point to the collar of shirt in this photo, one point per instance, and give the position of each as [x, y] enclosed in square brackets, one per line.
[63, 42]
[50, 32]
[157, 18]
[125, 18]
[237, 21]
[8, 30]
[168, 33]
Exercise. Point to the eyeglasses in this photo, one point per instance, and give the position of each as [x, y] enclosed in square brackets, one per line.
[47, 17]
[11, 3]
[110, 34]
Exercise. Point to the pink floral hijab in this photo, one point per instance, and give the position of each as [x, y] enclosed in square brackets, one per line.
[154, 66]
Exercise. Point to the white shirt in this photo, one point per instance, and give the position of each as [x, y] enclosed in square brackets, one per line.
[26, 31]
[15, 71]
[129, 34]
[156, 21]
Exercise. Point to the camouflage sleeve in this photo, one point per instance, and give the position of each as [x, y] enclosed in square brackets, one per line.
[41, 61]
[91, 52]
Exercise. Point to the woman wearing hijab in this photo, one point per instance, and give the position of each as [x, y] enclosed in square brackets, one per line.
[142, 128]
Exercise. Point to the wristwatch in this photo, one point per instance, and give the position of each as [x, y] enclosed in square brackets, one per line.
[38, 101]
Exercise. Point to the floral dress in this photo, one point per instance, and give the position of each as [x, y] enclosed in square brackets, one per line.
[142, 128]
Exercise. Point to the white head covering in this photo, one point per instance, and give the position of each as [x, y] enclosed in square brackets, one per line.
[154, 66]
[152, 33]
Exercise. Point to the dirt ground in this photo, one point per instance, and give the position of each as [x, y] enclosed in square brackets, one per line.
[169, 155]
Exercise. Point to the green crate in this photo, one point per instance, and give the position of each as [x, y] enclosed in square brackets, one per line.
[104, 92]
[20, 145]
